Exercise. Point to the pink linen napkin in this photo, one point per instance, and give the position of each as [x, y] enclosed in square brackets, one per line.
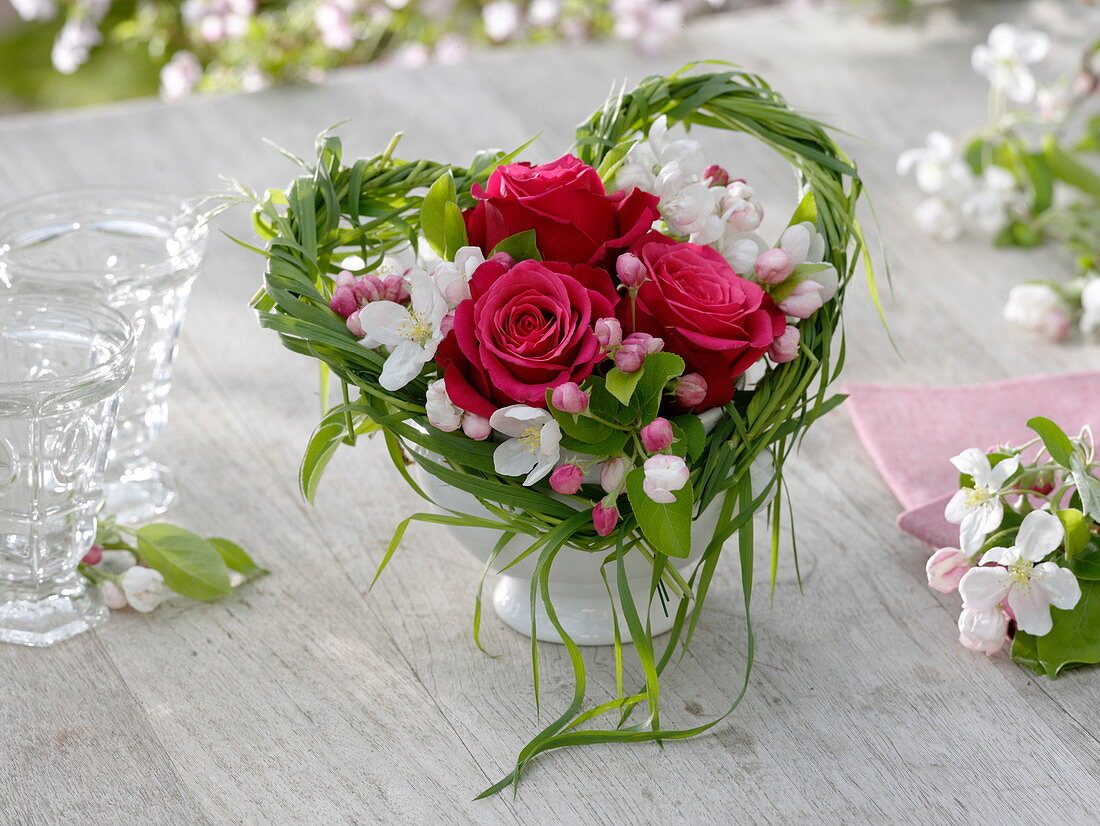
[911, 432]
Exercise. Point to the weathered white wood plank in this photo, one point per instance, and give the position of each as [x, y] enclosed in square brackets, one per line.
[308, 699]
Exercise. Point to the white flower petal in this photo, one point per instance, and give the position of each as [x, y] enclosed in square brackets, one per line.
[1040, 533]
[796, 241]
[382, 322]
[1001, 473]
[1031, 609]
[974, 463]
[403, 365]
[516, 419]
[957, 509]
[1059, 584]
[512, 458]
[982, 588]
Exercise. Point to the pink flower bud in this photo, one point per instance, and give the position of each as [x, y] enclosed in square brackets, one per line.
[785, 348]
[652, 344]
[503, 258]
[984, 631]
[567, 479]
[716, 175]
[632, 272]
[354, 326]
[691, 390]
[569, 398]
[629, 357]
[664, 475]
[612, 473]
[369, 288]
[604, 518]
[343, 302]
[657, 435]
[476, 427]
[394, 289]
[946, 568]
[94, 555]
[609, 333]
[774, 266]
[345, 279]
[113, 596]
[804, 300]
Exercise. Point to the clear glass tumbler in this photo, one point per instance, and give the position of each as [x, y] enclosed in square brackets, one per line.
[63, 363]
[140, 252]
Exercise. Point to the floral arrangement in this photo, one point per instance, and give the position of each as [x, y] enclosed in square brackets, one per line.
[227, 45]
[1025, 177]
[596, 349]
[1028, 565]
[139, 567]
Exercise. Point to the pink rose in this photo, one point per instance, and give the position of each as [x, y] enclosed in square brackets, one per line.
[565, 203]
[525, 329]
[720, 323]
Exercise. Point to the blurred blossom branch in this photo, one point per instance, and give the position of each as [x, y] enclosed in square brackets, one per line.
[1028, 176]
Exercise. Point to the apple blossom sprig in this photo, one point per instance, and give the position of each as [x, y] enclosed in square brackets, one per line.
[138, 567]
[1025, 177]
[1028, 562]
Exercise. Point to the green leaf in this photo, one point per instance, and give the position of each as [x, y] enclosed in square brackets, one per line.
[622, 385]
[235, 557]
[191, 566]
[454, 230]
[1075, 637]
[691, 431]
[433, 211]
[806, 210]
[974, 155]
[1077, 530]
[1088, 486]
[666, 527]
[1069, 169]
[659, 369]
[611, 445]
[1086, 562]
[1025, 652]
[520, 246]
[1054, 439]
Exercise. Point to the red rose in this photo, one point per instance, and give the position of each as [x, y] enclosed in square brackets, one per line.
[565, 203]
[522, 331]
[719, 322]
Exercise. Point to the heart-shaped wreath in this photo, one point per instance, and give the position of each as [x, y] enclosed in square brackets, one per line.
[596, 350]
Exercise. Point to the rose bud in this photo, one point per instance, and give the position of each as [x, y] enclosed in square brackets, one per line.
[629, 357]
[395, 289]
[785, 348]
[354, 326]
[631, 270]
[94, 555]
[476, 427]
[804, 300]
[569, 398]
[716, 175]
[345, 279]
[664, 475]
[945, 568]
[567, 479]
[604, 518]
[369, 288]
[774, 266]
[343, 302]
[609, 333]
[652, 344]
[691, 390]
[612, 473]
[657, 435]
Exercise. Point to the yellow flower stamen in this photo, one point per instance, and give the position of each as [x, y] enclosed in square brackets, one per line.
[1020, 572]
[417, 328]
[531, 439]
[978, 496]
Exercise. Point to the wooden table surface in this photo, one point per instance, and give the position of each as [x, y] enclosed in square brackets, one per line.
[306, 699]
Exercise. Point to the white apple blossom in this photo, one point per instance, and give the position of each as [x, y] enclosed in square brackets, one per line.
[985, 631]
[113, 596]
[179, 76]
[693, 211]
[741, 249]
[1004, 59]
[35, 9]
[740, 209]
[452, 278]
[533, 445]
[544, 12]
[664, 475]
[218, 20]
[411, 333]
[333, 22]
[818, 281]
[647, 23]
[502, 19]
[144, 588]
[939, 218]
[1090, 308]
[933, 164]
[994, 199]
[442, 413]
[73, 44]
[1019, 576]
[1037, 308]
[647, 158]
[978, 510]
